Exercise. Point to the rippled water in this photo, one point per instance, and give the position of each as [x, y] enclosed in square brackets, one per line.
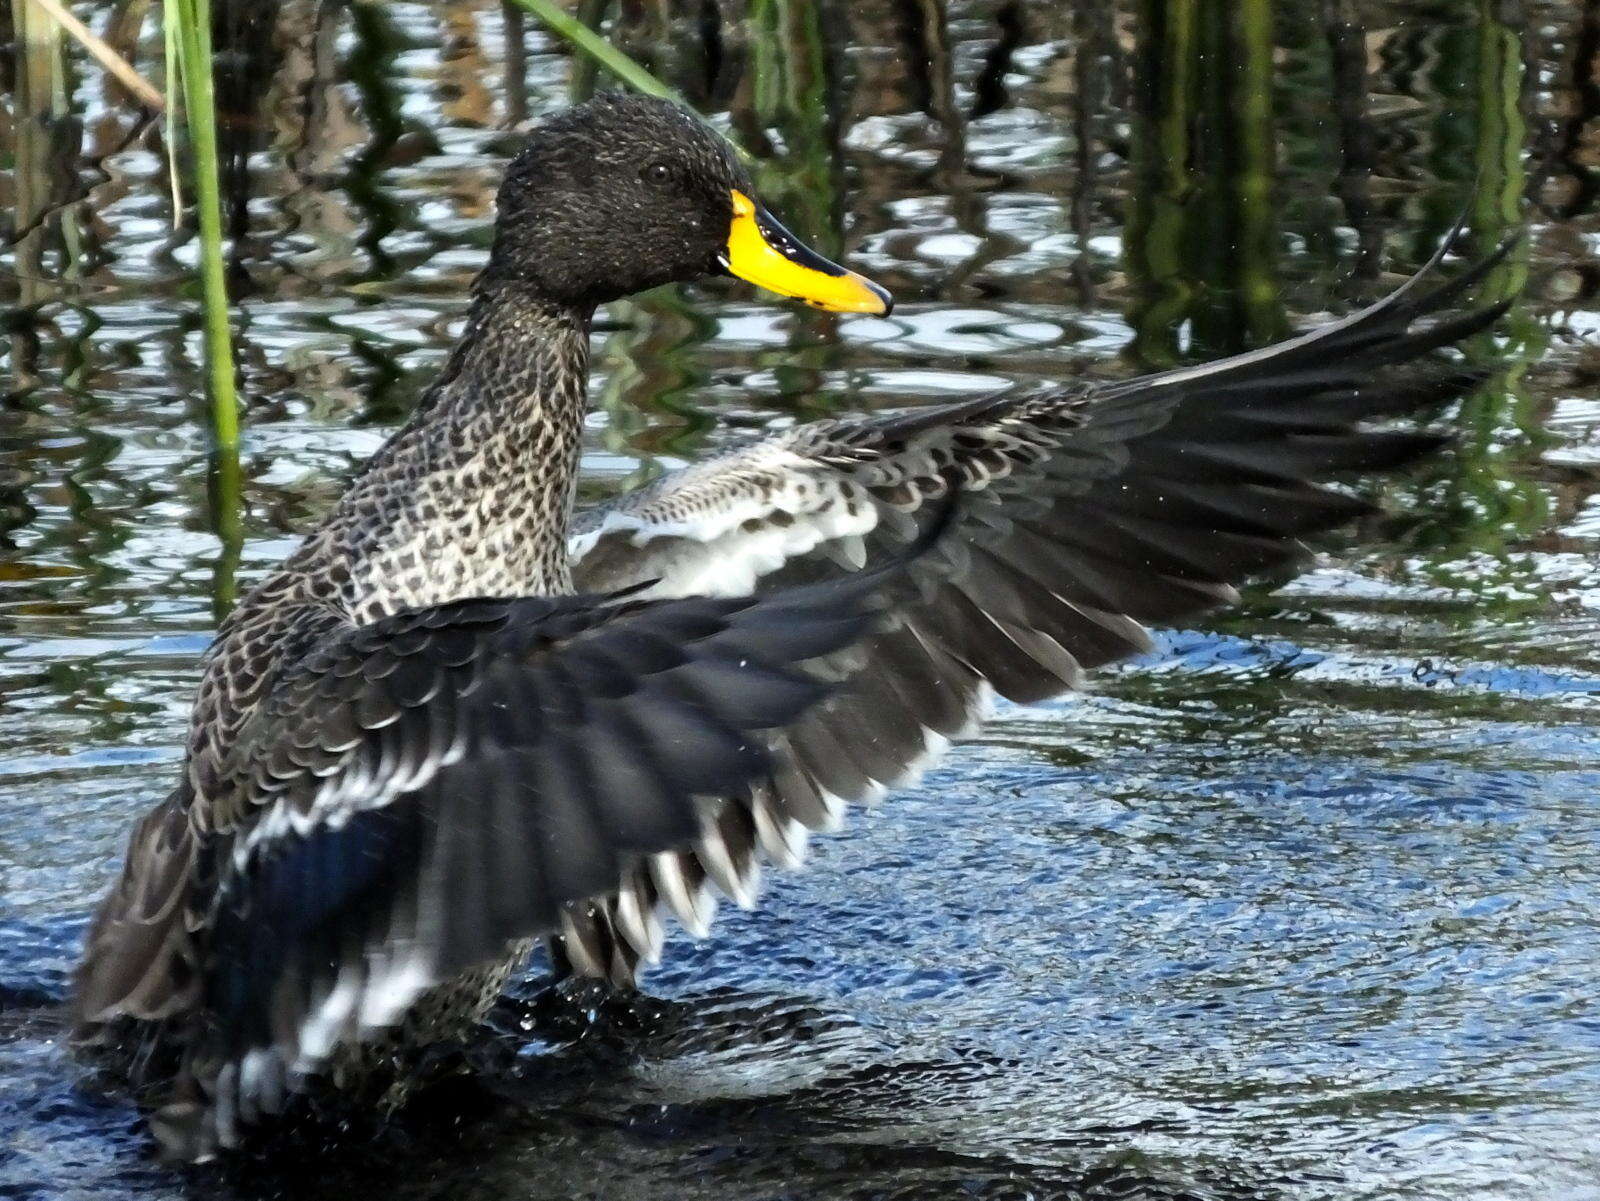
[1305, 905]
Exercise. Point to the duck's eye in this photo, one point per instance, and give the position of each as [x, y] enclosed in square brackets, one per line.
[657, 173]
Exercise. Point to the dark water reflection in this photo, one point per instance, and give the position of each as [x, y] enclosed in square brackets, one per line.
[1304, 906]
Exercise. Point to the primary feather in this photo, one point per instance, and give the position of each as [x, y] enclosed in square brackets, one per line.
[1090, 512]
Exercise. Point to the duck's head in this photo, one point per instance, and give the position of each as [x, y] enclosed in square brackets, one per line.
[624, 193]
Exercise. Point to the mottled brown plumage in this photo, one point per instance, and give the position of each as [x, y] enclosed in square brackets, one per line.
[416, 750]
[347, 686]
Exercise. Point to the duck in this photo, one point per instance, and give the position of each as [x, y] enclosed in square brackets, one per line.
[464, 719]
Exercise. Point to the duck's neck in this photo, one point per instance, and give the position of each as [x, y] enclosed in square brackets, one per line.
[473, 497]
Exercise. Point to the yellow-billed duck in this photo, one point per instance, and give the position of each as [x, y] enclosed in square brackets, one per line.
[457, 721]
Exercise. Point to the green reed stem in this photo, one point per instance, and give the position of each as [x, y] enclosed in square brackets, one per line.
[225, 500]
[188, 28]
[581, 37]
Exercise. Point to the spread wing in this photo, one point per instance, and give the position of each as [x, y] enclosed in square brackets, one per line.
[416, 796]
[1086, 515]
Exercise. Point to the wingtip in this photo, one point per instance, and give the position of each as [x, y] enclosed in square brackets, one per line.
[1458, 232]
[1454, 241]
[1446, 295]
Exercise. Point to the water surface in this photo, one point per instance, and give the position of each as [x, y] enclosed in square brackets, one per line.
[1304, 905]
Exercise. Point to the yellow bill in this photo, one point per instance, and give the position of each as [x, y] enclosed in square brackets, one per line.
[769, 256]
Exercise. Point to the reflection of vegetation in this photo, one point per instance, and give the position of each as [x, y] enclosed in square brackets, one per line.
[1486, 500]
[577, 34]
[245, 54]
[786, 89]
[926, 88]
[935, 88]
[45, 139]
[374, 68]
[102, 51]
[1202, 230]
[1155, 239]
[1201, 227]
[652, 375]
[45, 185]
[1314, 79]
[584, 74]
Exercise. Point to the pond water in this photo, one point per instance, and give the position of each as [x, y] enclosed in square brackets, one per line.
[1304, 905]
